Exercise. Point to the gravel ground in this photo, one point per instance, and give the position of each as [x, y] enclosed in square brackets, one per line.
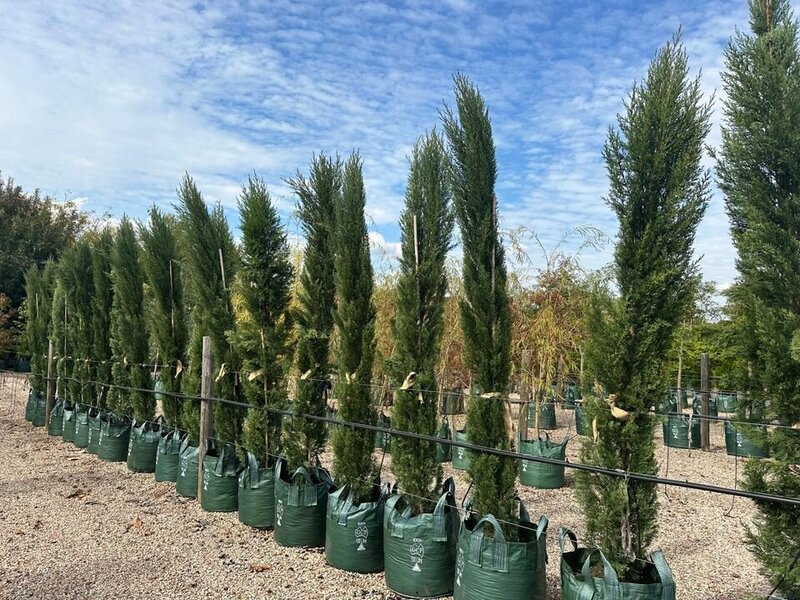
[72, 526]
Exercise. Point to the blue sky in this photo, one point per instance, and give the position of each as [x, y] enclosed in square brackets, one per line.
[109, 103]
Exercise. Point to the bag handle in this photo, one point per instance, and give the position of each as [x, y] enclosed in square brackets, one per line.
[345, 510]
[252, 468]
[439, 526]
[610, 578]
[565, 534]
[500, 554]
[393, 518]
[665, 574]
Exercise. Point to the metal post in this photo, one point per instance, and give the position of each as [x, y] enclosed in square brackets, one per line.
[704, 423]
[206, 409]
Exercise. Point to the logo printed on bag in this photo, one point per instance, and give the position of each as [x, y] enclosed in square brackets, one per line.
[459, 566]
[184, 466]
[739, 440]
[361, 536]
[206, 476]
[130, 446]
[675, 432]
[417, 551]
[460, 453]
[525, 465]
[279, 513]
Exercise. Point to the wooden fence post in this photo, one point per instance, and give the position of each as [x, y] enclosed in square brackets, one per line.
[51, 385]
[704, 424]
[206, 409]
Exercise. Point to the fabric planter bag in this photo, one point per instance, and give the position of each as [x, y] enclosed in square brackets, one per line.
[570, 397]
[443, 449]
[168, 456]
[81, 439]
[713, 409]
[257, 495]
[220, 480]
[56, 425]
[726, 402]
[143, 446]
[577, 582]
[542, 475]
[452, 402]
[667, 406]
[115, 434]
[354, 532]
[581, 423]
[68, 421]
[495, 568]
[301, 503]
[188, 464]
[30, 405]
[460, 455]
[383, 440]
[95, 424]
[738, 444]
[681, 431]
[419, 551]
[39, 409]
[547, 416]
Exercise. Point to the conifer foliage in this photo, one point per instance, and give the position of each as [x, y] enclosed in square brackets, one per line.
[39, 293]
[658, 191]
[426, 226]
[166, 319]
[484, 308]
[263, 325]
[759, 171]
[317, 195]
[354, 317]
[101, 312]
[129, 340]
[211, 261]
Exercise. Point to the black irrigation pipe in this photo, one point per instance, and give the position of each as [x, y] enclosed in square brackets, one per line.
[594, 469]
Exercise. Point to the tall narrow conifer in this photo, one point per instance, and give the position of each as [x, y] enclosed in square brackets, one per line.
[101, 312]
[317, 195]
[484, 308]
[426, 226]
[658, 191]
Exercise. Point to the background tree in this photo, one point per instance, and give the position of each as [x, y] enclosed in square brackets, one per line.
[129, 340]
[210, 258]
[354, 317]
[759, 173]
[166, 318]
[484, 309]
[658, 191]
[317, 195]
[426, 226]
[263, 326]
[102, 304]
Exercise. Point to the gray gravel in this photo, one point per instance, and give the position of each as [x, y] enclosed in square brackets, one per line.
[72, 526]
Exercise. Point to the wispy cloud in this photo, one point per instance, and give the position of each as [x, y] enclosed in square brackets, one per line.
[114, 102]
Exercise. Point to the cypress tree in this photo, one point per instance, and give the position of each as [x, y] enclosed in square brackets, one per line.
[58, 332]
[210, 259]
[759, 173]
[101, 312]
[263, 326]
[129, 341]
[304, 440]
[426, 226]
[484, 308]
[658, 191]
[38, 299]
[354, 317]
[79, 272]
[166, 319]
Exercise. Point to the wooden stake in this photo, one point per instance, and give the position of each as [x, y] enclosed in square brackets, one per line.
[704, 429]
[51, 384]
[206, 408]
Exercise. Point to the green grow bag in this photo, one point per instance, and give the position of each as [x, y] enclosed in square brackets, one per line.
[460, 455]
[667, 406]
[452, 402]
[56, 425]
[22, 365]
[383, 440]
[541, 475]
[257, 495]
[570, 396]
[547, 416]
[581, 423]
[577, 582]
[676, 430]
[30, 405]
[419, 551]
[713, 409]
[114, 436]
[39, 409]
[81, 438]
[726, 402]
[738, 444]
[68, 421]
[95, 424]
[188, 464]
[143, 446]
[220, 480]
[300, 506]
[168, 456]
[443, 449]
[354, 532]
[491, 567]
